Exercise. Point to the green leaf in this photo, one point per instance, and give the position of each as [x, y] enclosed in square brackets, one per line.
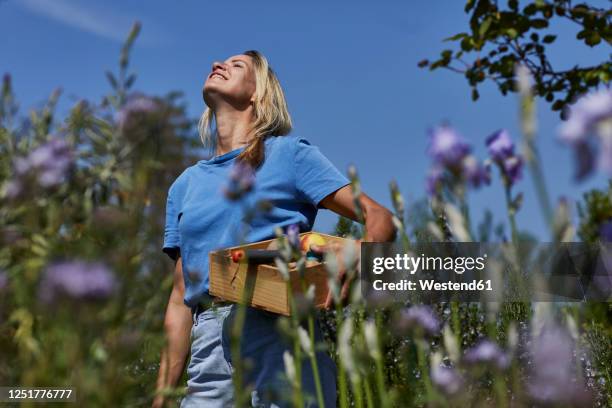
[469, 5]
[456, 37]
[517, 202]
[111, 78]
[530, 10]
[548, 39]
[130, 81]
[475, 94]
[134, 31]
[439, 63]
[557, 105]
[539, 23]
[580, 10]
[467, 44]
[593, 39]
[484, 27]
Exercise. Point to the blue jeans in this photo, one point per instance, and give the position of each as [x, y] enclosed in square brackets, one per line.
[209, 382]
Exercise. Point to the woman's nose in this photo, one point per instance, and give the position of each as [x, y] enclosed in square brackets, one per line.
[218, 65]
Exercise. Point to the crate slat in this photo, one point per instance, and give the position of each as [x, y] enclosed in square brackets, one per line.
[227, 279]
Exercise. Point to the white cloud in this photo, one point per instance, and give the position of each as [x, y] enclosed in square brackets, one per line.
[102, 23]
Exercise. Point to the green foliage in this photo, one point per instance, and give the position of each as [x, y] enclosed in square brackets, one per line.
[595, 210]
[109, 208]
[500, 37]
[345, 227]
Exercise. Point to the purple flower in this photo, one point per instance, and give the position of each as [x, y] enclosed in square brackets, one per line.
[434, 180]
[487, 352]
[500, 145]
[475, 173]
[447, 147]
[53, 159]
[293, 236]
[591, 115]
[48, 164]
[447, 379]
[605, 231]
[553, 379]
[451, 154]
[512, 168]
[419, 318]
[501, 150]
[586, 114]
[241, 181]
[136, 103]
[76, 279]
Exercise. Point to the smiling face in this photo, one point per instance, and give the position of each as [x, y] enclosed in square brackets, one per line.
[232, 82]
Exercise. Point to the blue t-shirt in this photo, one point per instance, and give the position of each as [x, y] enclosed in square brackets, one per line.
[294, 177]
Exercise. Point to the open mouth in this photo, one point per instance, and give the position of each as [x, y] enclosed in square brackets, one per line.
[217, 76]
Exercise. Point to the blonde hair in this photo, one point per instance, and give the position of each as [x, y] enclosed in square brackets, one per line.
[271, 116]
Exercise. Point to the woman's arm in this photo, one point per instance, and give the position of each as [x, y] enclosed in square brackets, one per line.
[177, 325]
[378, 223]
[378, 220]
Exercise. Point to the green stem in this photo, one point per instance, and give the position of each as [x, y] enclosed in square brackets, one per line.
[314, 363]
[342, 386]
[242, 391]
[463, 207]
[368, 392]
[313, 355]
[511, 212]
[236, 355]
[358, 393]
[424, 371]
[541, 191]
[500, 390]
[298, 397]
[454, 305]
[380, 373]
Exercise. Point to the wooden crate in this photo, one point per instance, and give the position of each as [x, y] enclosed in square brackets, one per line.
[227, 278]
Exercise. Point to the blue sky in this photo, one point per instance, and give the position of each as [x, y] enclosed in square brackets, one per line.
[349, 71]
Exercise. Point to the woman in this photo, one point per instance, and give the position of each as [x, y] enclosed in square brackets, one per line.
[246, 122]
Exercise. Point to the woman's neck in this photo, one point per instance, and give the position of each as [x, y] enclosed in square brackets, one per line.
[233, 128]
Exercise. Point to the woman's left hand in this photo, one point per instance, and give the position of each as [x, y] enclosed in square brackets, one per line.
[346, 273]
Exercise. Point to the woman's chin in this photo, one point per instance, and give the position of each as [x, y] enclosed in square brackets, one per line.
[211, 95]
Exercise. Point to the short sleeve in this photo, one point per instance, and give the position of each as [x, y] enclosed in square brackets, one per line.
[315, 176]
[171, 232]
